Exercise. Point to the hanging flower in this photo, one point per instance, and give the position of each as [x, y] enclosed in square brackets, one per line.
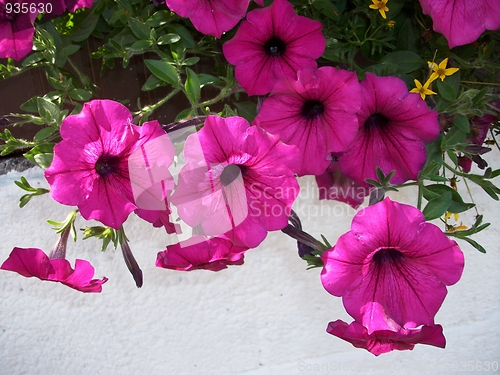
[393, 128]
[211, 17]
[422, 90]
[237, 179]
[381, 6]
[198, 252]
[91, 166]
[315, 112]
[440, 71]
[16, 30]
[34, 262]
[383, 341]
[334, 185]
[272, 43]
[392, 268]
[462, 21]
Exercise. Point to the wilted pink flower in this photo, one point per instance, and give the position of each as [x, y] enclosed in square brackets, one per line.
[393, 128]
[379, 342]
[16, 30]
[334, 185]
[237, 179]
[462, 21]
[211, 17]
[34, 262]
[198, 252]
[392, 268]
[91, 167]
[315, 112]
[272, 43]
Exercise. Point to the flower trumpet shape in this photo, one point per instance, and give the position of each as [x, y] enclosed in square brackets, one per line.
[392, 268]
[34, 262]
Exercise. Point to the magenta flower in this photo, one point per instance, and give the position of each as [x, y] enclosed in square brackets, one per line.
[58, 7]
[462, 21]
[380, 342]
[393, 128]
[392, 268]
[238, 180]
[260, 2]
[272, 43]
[91, 167]
[34, 262]
[198, 252]
[16, 31]
[316, 113]
[211, 17]
[334, 185]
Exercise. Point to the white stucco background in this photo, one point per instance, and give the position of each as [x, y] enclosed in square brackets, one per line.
[266, 317]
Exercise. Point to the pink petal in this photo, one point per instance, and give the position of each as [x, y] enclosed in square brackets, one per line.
[28, 263]
[16, 37]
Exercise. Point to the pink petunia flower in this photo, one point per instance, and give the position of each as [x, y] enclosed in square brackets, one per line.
[198, 252]
[34, 262]
[380, 342]
[392, 268]
[91, 167]
[211, 17]
[393, 128]
[462, 21]
[272, 43]
[334, 185]
[237, 179]
[316, 113]
[16, 30]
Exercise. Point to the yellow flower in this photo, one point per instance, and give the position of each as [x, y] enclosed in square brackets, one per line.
[448, 215]
[391, 24]
[381, 6]
[422, 90]
[440, 70]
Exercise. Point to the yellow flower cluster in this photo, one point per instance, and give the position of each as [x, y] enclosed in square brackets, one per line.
[438, 71]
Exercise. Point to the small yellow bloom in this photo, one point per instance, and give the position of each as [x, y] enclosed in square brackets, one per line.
[440, 70]
[422, 90]
[381, 6]
[391, 24]
[448, 215]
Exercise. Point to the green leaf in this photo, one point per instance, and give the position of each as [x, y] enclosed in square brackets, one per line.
[185, 35]
[405, 61]
[446, 90]
[191, 61]
[168, 39]
[47, 110]
[163, 70]
[474, 244]
[159, 18]
[43, 160]
[437, 206]
[44, 134]
[456, 205]
[455, 136]
[70, 49]
[85, 22]
[32, 59]
[30, 105]
[152, 83]
[139, 29]
[46, 149]
[192, 86]
[141, 45]
[247, 110]
[80, 94]
[462, 122]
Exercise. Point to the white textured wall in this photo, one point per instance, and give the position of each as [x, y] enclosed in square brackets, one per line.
[266, 317]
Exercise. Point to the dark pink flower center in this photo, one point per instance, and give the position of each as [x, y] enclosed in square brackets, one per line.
[275, 47]
[312, 109]
[387, 256]
[107, 165]
[376, 120]
[8, 16]
[229, 174]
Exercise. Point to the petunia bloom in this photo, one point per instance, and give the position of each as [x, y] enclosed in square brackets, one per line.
[392, 268]
[441, 71]
[334, 185]
[238, 180]
[16, 30]
[211, 17]
[393, 128]
[272, 43]
[91, 166]
[198, 252]
[380, 342]
[315, 112]
[34, 262]
[462, 21]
